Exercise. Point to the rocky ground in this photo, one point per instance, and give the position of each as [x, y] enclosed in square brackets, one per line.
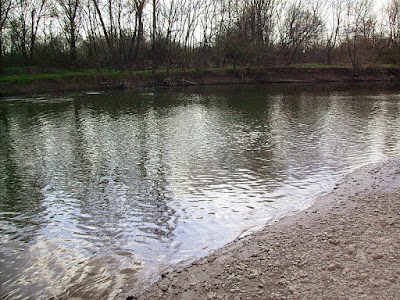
[347, 246]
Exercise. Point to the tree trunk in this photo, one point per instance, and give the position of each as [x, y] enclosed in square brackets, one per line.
[1, 54]
[139, 38]
[106, 34]
[153, 37]
[73, 50]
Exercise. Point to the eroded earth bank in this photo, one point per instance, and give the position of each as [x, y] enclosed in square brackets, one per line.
[347, 246]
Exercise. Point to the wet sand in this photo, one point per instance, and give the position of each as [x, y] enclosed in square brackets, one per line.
[346, 246]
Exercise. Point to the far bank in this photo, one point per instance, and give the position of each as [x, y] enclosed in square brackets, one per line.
[108, 80]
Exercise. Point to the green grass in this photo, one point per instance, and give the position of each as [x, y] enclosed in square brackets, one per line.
[20, 75]
[389, 66]
[48, 76]
[60, 75]
[24, 77]
[316, 66]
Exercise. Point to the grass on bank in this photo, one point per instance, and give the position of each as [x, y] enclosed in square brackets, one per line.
[60, 75]
[21, 75]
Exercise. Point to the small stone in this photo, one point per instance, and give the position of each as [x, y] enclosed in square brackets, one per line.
[333, 267]
[333, 242]
[211, 295]
[346, 271]
[253, 274]
[352, 249]
[291, 289]
[163, 287]
[377, 256]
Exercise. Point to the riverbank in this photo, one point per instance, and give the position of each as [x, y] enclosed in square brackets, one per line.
[346, 246]
[96, 81]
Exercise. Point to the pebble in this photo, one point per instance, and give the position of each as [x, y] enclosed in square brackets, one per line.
[253, 275]
[291, 289]
[333, 242]
[281, 282]
[352, 249]
[163, 287]
[333, 267]
[377, 256]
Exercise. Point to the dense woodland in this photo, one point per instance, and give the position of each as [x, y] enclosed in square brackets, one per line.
[147, 34]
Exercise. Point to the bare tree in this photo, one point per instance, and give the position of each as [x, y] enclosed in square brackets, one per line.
[192, 33]
[262, 21]
[5, 8]
[337, 12]
[107, 31]
[138, 34]
[359, 31]
[192, 12]
[168, 23]
[70, 12]
[25, 23]
[154, 33]
[300, 27]
[393, 18]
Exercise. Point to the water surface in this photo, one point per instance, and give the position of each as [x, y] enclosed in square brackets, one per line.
[100, 193]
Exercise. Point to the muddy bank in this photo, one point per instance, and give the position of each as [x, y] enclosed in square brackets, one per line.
[347, 246]
[237, 76]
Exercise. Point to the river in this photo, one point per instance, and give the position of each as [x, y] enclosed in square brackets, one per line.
[101, 192]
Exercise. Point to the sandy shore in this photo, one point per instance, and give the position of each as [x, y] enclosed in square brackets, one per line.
[347, 246]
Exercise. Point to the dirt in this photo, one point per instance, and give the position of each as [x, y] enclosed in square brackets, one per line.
[346, 246]
[259, 75]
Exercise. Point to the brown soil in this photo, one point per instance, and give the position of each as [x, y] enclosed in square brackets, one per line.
[347, 246]
[203, 77]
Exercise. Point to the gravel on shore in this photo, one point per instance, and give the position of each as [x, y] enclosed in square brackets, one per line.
[346, 246]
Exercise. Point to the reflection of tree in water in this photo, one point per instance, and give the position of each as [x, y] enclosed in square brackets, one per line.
[9, 183]
[126, 192]
[23, 150]
[101, 177]
[210, 127]
[392, 115]
[20, 153]
[88, 181]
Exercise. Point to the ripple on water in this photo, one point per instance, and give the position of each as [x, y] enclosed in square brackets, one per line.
[98, 194]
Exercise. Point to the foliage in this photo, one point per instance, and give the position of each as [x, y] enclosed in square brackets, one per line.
[169, 34]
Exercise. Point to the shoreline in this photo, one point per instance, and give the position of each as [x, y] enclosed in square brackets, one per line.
[55, 83]
[346, 246]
